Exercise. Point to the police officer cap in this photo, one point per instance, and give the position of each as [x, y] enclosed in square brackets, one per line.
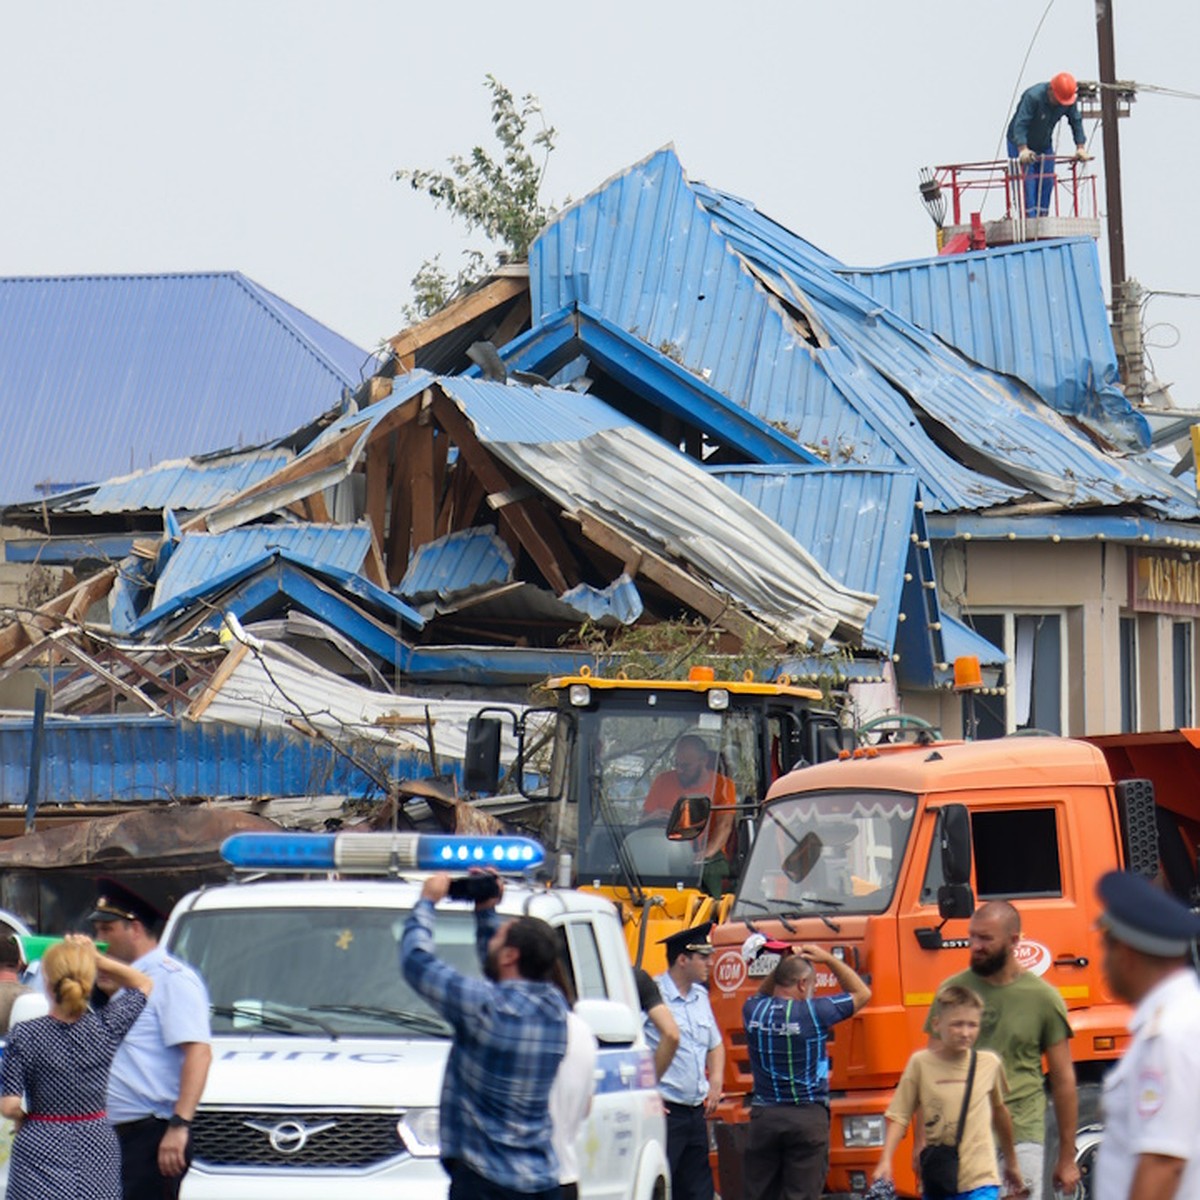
[1145, 917]
[689, 941]
[115, 902]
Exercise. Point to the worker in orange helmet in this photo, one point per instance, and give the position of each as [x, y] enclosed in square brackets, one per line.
[1031, 137]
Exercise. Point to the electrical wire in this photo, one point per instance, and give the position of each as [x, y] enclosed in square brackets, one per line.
[1000, 144]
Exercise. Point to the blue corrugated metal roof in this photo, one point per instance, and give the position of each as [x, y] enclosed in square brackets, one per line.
[645, 253]
[133, 370]
[200, 558]
[126, 759]
[1035, 311]
[994, 415]
[459, 562]
[187, 484]
[703, 278]
[856, 522]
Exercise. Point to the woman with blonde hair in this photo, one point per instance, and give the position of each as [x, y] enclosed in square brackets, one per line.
[55, 1077]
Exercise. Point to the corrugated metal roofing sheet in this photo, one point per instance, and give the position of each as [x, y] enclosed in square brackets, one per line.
[645, 252]
[128, 371]
[459, 562]
[993, 415]
[705, 279]
[187, 485]
[201, 558]
[1034, 311]
[856, 522]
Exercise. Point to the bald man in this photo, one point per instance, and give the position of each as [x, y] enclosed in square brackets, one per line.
[1023, 1019]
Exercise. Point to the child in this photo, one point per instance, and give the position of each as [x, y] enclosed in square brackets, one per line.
[934, 1081]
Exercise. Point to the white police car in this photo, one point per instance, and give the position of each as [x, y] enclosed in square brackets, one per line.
[327, 1068]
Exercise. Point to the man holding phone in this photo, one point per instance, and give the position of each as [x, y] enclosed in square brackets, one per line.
[510, 1034]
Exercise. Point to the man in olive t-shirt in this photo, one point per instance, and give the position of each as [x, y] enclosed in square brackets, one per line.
[1023, 1018]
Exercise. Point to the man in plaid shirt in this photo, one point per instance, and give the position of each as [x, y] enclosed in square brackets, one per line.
[510, 1034]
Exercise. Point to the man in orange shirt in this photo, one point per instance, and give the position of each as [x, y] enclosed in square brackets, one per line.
[693, 777]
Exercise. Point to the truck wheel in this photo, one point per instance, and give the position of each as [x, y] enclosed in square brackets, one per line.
[1088, 1133]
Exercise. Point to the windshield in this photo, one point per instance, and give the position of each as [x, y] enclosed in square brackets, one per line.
[636, 766]
[332, 971]
[826, 851]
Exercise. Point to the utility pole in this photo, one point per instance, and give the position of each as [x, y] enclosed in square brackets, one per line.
[1112, 144]
[1126, 317]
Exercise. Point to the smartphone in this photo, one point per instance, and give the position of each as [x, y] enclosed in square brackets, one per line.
[474, 887]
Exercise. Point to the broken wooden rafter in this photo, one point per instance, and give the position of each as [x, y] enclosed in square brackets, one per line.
[531, 523]
[697, 595]
[457, 313]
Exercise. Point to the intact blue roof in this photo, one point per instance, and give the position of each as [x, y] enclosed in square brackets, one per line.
[187, 485]
[856, 522]
[132, 370]
[199, 558]
[1035, 311]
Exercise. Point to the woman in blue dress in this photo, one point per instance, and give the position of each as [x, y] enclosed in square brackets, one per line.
[55, 1079]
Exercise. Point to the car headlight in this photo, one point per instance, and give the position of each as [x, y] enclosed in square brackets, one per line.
[862, 1131]
[418, 1130]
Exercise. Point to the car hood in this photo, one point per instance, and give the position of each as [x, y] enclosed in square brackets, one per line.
[354, 1072]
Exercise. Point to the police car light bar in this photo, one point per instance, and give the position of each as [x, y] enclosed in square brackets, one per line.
[378, 853]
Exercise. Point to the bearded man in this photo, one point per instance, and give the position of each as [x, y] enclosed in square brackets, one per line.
[1023, 1019]
[510, 1034]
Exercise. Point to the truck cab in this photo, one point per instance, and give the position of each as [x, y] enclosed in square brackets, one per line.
[614, 754]
[881, 858]
[327, 1068]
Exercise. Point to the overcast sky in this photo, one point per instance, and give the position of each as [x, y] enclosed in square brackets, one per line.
[261, 135]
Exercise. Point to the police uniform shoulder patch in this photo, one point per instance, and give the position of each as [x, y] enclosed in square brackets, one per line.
[1151, 1091]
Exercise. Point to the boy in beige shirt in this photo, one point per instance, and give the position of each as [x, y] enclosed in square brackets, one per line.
[934, 1081]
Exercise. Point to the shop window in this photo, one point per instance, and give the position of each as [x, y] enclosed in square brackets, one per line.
[1182, 669]
[1033, 675]
[1016, 854]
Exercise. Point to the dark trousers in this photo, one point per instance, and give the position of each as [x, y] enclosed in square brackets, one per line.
[140, 1177]
[787, 1152]
[687, 1153]
[466, 1184]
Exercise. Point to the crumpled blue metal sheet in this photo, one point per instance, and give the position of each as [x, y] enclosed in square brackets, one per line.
[620, 601]
[454, 565]
[998, 417]
[647, 255]
[201, 557]
[855, 521]
[1035, 311]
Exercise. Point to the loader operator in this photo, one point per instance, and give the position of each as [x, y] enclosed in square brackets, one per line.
[693, 776]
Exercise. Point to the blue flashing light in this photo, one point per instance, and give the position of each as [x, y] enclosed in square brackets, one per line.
[376, 853]
[280, 851]
[436, 851]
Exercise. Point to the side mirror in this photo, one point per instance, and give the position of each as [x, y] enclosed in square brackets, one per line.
[612, 1023]
[481, 764]
[799, 863]
[956, 901]
[689, 818]
[954, 831]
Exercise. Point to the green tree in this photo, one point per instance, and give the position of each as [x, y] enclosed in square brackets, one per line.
[497, 196]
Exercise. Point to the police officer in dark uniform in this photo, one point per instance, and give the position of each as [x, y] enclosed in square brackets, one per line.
[691, 1085]
[1151, 1150]
[160, 1069]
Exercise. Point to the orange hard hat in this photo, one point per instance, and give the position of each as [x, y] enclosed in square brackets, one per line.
[1063, 89]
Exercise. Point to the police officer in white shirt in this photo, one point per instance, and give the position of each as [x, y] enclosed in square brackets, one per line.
[160, 1069]
[1151, 1146]
[691, 1085]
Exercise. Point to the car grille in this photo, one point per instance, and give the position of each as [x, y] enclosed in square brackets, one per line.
[310, 1138]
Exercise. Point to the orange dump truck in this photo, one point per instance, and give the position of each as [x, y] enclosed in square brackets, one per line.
[881, 858]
